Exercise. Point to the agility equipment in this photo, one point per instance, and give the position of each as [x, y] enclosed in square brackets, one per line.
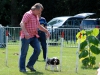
[77, 57]
[6, 48]
[61, 50]
[46, 52]
[77, 53]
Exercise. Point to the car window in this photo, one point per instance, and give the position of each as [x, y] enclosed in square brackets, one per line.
[89, 22]
[98, 21]
[76, 22]
[55, 21]
[73, 22]
[68, 23]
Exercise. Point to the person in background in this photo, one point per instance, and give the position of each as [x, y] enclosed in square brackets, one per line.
[42, 35]
[29, 35]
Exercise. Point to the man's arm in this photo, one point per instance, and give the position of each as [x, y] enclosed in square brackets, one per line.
[44, 30]
[22, 24]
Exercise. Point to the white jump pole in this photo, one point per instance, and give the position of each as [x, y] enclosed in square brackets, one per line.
[77, 54]
[47, 52]
[77, 57]
[6, 48]
[61, 49]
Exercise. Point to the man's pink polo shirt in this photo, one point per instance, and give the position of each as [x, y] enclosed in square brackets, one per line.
[31, 22]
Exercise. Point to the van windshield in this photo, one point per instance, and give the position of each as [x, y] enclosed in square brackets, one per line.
[55, 22]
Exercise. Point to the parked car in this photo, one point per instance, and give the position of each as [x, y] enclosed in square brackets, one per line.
[90, 23]
[57, 25]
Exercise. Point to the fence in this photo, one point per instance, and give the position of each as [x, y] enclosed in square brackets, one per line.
[69, 36]
[13, 34]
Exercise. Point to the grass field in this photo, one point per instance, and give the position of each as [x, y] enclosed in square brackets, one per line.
[68, 62]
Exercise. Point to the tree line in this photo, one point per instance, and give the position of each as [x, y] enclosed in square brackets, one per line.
[12, 10]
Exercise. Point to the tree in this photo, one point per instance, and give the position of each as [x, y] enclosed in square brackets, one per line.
[4, 12]
[14, 15]
[12, 10]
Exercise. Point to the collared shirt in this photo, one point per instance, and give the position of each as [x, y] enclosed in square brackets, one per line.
[31, 22]
[43, 22]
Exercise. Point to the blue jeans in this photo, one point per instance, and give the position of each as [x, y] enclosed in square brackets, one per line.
[25, 45]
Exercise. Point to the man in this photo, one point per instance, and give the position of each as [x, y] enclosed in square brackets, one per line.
[42, 35]
[29, 35]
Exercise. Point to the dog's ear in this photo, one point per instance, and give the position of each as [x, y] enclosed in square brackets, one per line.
[58, 62]
[52, 61]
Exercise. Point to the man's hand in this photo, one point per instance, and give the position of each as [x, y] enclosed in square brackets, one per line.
[22, 24]
[27, 36]
[44, 30]
[47, 34]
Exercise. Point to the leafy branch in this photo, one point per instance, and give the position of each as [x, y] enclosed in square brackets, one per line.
[88, 46]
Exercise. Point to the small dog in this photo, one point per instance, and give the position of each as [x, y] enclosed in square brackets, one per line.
[53, 62]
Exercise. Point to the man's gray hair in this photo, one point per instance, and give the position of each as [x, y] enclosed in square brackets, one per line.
[37, 6]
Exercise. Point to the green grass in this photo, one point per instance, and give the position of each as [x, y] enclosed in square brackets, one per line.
[68, 62]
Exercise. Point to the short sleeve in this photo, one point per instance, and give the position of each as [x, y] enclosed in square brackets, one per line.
[26, 17]
[43, 21]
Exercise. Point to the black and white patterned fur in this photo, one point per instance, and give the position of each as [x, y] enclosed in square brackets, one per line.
[53, 62]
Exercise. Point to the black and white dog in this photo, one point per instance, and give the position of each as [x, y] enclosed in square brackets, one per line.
[53, 62]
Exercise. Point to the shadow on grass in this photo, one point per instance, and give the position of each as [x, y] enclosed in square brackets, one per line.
[53, 70]
[34, 73]
[40, 60]
[2, 48]
[96, 67]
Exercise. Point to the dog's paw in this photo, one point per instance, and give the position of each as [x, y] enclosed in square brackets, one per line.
[45, 67]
